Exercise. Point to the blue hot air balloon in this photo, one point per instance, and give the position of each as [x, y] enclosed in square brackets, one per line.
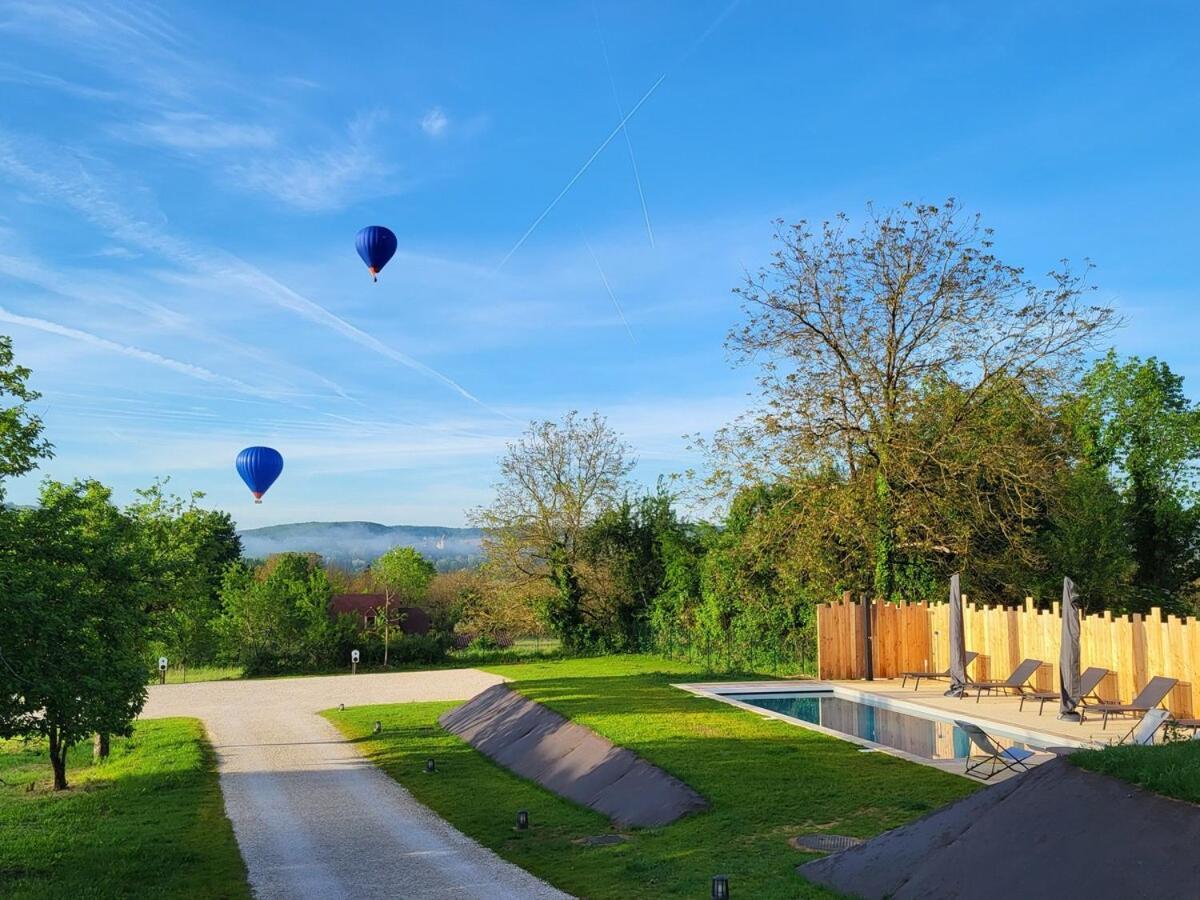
[259, 467]
[376, 245]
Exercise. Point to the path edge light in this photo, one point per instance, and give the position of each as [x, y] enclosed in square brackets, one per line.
[522, 820]
[430, 765]
[720, 887]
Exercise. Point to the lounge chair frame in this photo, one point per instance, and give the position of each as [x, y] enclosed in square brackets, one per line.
[997, 759]
[1152, 695]
[971, 655]
[1144, 729]
[1017, 681]
[1089, 684]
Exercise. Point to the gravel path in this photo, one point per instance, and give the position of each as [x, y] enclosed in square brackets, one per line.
[316, 820]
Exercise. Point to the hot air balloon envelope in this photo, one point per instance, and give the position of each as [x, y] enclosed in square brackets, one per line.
[259, 467]
[376, 245]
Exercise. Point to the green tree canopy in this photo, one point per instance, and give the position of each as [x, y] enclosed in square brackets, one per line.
[1134, 421]
[74, 640]
[280, 621]
[21, 441]
[404, 573]
[852, 332]
[188, 549]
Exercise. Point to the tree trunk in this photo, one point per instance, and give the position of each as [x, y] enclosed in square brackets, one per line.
[58, 760]
[100, 746]
[885, 540]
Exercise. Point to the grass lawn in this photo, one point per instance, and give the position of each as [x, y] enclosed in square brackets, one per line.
[176, 675]
[149, 822]
[1172, 769]
[766, 781]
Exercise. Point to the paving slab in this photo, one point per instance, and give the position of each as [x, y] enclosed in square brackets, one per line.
[313, 818]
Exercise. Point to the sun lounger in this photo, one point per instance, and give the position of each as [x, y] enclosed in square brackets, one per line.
[1154, 693]
[1016, 682]
[1143, 732]
[1089, 682]
[970, 658]
[1193, 724]
[998, 760]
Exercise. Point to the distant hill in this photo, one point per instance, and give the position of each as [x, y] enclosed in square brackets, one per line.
[356, 545]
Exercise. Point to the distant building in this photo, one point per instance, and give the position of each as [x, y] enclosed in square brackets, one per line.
[369, 607]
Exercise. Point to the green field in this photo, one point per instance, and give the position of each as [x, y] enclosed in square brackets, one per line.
[176, 675]
[766, 781]
[149, 822]
[1171, 769]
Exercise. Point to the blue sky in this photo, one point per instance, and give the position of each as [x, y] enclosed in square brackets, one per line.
[180, 186]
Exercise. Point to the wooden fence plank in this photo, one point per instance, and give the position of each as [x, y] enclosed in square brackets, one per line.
[915, 636]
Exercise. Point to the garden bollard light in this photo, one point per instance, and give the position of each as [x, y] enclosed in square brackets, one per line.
[430, 765]
[720, 887]
[522, 820]
[378, 727]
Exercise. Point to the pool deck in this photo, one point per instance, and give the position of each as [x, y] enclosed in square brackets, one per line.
[999, 716]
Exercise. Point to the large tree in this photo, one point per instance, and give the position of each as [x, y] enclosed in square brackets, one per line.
[629, 548]
[276, 617]
[854, 331]
[404, 574]
[555, 481]
[73, 595]
[1135, 421]
[188, 549]
[21, 441]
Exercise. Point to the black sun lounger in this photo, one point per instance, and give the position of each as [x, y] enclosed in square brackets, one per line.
[1015, 683]
[970, 658]
[1089, 683]
[1154, 693]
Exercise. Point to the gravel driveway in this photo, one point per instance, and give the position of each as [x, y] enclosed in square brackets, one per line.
[316, 820]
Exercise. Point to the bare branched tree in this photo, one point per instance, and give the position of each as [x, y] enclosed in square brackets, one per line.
[855, 333]
[554, 481]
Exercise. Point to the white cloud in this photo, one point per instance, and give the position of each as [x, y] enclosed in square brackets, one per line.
[198, 132]
[30, 78]
[435, 122]
[324, 179]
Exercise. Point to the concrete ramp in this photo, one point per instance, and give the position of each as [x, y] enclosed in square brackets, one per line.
[570, 760]
[1058, 831]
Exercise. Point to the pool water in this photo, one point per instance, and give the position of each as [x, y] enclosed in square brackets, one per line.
[925, 737]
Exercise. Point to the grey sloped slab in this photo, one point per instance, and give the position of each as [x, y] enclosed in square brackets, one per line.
[1058, 831]
[572, 761]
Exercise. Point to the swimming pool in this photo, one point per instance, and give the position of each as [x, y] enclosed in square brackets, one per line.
[907, 731]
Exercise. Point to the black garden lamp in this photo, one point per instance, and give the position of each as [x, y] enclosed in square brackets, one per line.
[522, 820]
[720, 887]
[430, 765]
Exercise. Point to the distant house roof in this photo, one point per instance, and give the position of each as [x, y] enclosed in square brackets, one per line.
[413, 619]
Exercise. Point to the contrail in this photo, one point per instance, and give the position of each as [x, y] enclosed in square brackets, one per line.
[587, 165]
[85, 196]
[621, 112]
[620, 126]
[166, 362]
[612, 296]
[33, 272]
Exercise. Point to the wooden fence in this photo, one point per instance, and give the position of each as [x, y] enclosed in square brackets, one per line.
[915, 636]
